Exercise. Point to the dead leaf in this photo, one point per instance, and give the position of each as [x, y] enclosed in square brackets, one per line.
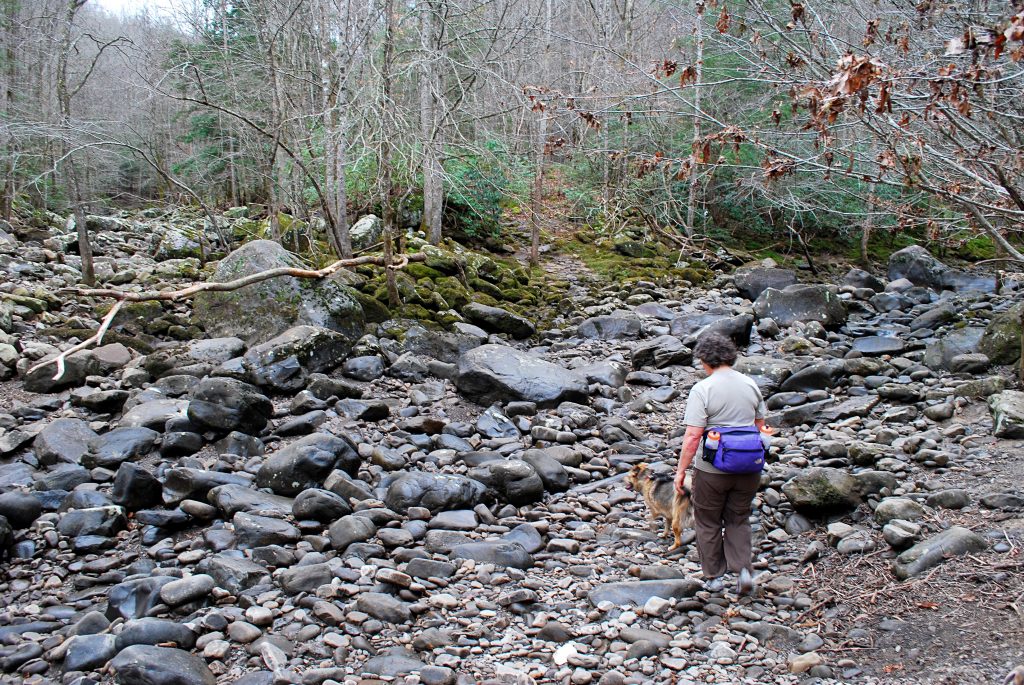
[723, 20]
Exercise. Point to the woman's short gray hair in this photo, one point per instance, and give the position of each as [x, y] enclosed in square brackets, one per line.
[715, 350]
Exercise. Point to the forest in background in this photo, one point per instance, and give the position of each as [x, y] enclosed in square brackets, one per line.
[773, 121]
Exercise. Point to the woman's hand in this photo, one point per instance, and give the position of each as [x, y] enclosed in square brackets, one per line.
[691, 441]
[680, 482]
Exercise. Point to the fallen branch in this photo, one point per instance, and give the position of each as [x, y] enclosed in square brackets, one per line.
[122, 296]
[174, 295]
[97, 339]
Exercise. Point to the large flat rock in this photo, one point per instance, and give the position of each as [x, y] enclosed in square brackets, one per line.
[492, 373]
[639, 591]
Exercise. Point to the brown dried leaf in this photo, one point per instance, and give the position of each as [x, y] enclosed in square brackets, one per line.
[723, 20]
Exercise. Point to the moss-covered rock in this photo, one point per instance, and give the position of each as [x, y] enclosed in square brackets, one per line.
[482, 286]
[448, 317]
[187, 269]
[134, 316]
[484, 298]
[453, 292]
[262, 310]
[442, 260]
[419, 270]
[1001, 339]
[374, 310]
[633, 248]
[177, 242]
[415, 311]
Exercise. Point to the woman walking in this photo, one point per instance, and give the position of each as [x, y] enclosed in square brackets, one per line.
[725, 421]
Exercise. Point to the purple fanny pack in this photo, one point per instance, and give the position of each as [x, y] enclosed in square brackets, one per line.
[739, 449]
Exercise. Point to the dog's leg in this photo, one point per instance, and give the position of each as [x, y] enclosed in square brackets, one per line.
[677, 531]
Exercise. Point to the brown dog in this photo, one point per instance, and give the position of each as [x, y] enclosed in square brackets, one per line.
[662, 499]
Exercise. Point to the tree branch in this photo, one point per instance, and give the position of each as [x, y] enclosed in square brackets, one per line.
[122, 296]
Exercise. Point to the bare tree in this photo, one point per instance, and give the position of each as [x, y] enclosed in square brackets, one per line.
[64, 95]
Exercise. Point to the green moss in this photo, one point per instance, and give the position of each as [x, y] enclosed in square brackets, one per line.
[484, 298]
[453, 292]
[418, 270]
[447, 317]
[480, 285]
[978, 248]
[414, 311]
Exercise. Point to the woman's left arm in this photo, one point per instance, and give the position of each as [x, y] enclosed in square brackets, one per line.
[691, 441]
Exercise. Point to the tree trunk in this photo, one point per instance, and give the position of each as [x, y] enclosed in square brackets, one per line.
[538, 189]
[539, 148]
[691, 208]
[430, 120]
[387, 191]
[74, 190]
[869, 224]
[10, 9]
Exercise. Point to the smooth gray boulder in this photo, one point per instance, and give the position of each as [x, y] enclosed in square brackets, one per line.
[917, 265]
[858, 278]
[659, 352]
[497, 552]
[384, 607]
[637, 592]
[953, 542]
[135, 598]
[497, 373]
[801, 304]
[435, 491]
[259, 531]
[878, 345]
[306, 463]
[226, 404]
[690, 327]
[232, 498]
[155, 414]
[751, 281]
[233, 573]
[616, 326]
[111, 449]
[196, 355]
[902, 508]
[349, 529]
[818, 491]
[920, 267]
[941, 353]
[366, 232]
[768, 372]
[550, 470]
[149, 665]
[498, 320]
[155, 631]
[77, 367]
[285, 362]
[63, 440]
[260, 311]
[512, 480]
[305, 578]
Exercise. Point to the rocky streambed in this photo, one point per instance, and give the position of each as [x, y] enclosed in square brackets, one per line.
[308, 498]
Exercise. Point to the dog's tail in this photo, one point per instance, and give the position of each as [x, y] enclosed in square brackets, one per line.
[662, 477]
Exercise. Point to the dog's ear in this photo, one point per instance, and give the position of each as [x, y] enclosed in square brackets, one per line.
[640, 468]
